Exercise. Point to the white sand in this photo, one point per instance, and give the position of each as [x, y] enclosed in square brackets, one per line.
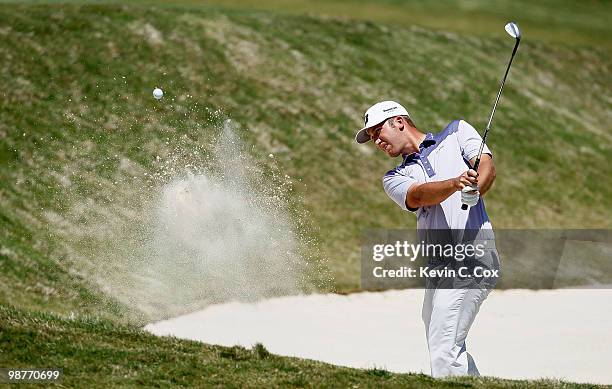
[563, 333]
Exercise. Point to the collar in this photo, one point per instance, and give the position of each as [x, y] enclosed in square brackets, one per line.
[428, 141]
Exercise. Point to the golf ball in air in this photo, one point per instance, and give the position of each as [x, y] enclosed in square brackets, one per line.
[158, 93]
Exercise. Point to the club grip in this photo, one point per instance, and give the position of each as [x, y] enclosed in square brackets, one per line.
[476, 163]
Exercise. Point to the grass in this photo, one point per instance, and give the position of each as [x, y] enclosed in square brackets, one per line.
[559, 21]
[77, 115]
[83, 144]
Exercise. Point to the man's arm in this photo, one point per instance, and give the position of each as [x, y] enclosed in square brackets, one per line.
[486, 173]
[432, 193]
[470, 142]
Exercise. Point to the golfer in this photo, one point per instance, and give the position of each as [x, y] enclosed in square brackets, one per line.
[433, 181]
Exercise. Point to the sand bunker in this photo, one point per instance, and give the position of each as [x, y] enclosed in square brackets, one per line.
[518, 333]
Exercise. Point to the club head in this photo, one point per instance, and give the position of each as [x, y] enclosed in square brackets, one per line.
[513, 30]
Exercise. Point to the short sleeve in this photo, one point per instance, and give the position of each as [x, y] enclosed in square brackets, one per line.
[469, 141]
[396, 183]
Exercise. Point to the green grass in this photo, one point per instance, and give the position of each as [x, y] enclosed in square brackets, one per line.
[83, 144]
[80, 135]
[560, 21]
[99, 354]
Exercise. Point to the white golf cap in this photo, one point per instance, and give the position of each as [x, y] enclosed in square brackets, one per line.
[377, 114]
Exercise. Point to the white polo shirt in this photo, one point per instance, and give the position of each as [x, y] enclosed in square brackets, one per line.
[442, 156]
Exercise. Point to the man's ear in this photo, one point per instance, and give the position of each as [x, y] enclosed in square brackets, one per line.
[399, 123]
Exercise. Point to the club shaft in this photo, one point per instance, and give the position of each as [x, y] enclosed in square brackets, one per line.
[501, 88]
[499, 93]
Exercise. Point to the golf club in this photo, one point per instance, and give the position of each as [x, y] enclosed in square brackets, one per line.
[513, 30]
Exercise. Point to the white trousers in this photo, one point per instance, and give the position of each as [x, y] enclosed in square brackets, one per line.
[448, 315]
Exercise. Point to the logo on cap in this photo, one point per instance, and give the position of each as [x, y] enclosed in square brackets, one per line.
[366, 120]
[389, 109]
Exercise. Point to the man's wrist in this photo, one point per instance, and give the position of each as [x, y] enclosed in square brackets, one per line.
[456, 183]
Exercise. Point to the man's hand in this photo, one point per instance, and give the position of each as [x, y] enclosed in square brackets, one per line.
[468, 184]
[468, 178]
[470, 195]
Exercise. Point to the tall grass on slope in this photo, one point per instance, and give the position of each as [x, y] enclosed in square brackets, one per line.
[574, 23]
[80, 131]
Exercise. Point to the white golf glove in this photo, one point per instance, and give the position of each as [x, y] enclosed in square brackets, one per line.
[470, 195]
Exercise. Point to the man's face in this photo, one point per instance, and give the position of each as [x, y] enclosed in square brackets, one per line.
[388, 137]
